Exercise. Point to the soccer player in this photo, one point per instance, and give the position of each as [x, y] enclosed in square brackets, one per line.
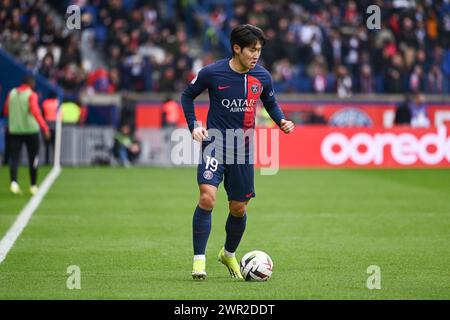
[24, 121]
[234, 86]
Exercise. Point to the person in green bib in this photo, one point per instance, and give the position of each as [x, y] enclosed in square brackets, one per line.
[24, 123]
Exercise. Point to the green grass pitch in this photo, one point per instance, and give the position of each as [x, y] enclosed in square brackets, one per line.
[129, 231]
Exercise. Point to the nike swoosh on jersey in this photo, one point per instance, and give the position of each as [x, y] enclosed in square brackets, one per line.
[222, 87]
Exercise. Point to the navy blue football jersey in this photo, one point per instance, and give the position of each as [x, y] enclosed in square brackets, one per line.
[233, 96]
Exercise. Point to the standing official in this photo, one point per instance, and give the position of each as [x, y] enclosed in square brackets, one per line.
[50, 108]
[24, 121]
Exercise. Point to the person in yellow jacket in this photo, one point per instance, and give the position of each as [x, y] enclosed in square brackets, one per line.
[71, 112]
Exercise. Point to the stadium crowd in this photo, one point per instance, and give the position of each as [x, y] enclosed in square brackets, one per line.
[158, 46]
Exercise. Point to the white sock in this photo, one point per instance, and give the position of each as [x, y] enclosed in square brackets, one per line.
[229, 254]
[199, 257]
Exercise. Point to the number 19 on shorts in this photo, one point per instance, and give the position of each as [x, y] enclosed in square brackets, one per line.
[211, 163]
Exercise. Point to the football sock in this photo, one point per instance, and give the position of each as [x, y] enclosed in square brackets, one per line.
[199, 257]
[201, 227]
[235, 228]
[229, 254]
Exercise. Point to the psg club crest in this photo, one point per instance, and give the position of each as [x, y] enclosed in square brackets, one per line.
[255, 88]
[208, 175]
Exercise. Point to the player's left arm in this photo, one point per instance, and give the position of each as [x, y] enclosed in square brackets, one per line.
[36, 112]
[6, 107]
[270, 103]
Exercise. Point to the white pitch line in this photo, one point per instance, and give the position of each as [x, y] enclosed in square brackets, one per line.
[16, 229]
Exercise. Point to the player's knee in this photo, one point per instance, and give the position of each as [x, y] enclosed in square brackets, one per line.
[238, 209]
[207, 201]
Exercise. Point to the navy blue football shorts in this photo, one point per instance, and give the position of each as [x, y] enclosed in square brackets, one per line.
[238, 178]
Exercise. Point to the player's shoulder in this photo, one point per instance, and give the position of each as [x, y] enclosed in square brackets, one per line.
[218, 65]
[261, 73]
[260, 68]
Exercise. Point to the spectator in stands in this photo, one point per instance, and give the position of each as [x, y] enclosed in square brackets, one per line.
[130, 32]
[48, 68]
[394, 72]
[13, 42]
[71, 81]
[137, 74]
[114, 80]
[114, 56]
[366, 81]
[167, 82]
[98, 81]
[126, 148]
[343, 82]
[283, 75]
[319, 79]
[435, 81]
[416, 80]
[419, 114]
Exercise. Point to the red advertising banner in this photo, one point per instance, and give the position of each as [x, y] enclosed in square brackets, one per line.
[311, 146]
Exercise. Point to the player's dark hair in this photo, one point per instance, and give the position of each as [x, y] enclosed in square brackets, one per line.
[52, 95]
[246, 35]
[28, 79]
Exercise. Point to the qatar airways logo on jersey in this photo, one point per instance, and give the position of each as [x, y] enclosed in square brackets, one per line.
[239, 105]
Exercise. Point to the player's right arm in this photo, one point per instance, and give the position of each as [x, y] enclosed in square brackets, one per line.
[197, 86]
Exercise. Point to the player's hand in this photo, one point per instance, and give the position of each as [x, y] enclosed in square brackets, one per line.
[47, 136]
[286, 126]
[199, 134]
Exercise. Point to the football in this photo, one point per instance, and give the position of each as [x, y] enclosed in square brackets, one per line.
[256, 265]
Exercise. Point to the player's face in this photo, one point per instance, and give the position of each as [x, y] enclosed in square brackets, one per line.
[249, 56]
